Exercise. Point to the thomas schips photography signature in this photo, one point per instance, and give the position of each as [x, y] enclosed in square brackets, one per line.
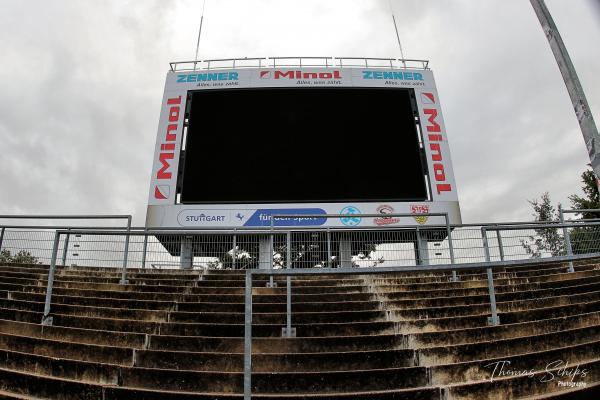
[559, 371]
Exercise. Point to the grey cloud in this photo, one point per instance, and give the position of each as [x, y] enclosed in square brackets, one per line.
[82, 84]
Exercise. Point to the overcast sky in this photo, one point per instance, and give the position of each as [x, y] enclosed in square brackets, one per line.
[81, 85]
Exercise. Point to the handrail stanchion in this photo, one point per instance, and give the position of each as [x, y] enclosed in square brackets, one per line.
[248, 337]
[329, 259]
[234, 252]
[450, 247]
[46, 318]
[269, 257]
[288, 330]
[1, 237]
[494, 320]
[145, 249]
[500, 245]
[66, 248]
[567, 238]
[123, 280]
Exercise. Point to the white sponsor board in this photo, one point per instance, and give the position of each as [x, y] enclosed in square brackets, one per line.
[163, 210]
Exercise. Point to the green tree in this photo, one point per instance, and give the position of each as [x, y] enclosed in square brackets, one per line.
[22, 257]
[545, 240]
[586, 239]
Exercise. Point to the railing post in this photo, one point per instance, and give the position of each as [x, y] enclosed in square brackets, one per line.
[493, 320]
[288, 255]
[46, 318]
[329, 260]
[1, 237]
[123, 280]
[271, 284]
[144, 250]
[450, 247]
[567, 238]
[288, 331]
[234, 252]
[500, 245]
[66, 249]
[248, 338]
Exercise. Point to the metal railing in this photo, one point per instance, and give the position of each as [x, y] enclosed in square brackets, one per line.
[289, 272]
[299, 61]
[279, 249]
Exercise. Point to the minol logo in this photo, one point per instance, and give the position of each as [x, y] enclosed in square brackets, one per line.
[393, 75]
[167, 149]
[212, 76]
[435, 136]
[290, 74]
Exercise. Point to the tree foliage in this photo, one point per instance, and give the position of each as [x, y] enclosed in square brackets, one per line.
[583, 239]
[546, 240]
[22, 257]
[586, 239]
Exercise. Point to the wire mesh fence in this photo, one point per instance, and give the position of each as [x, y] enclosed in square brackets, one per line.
[282, 248]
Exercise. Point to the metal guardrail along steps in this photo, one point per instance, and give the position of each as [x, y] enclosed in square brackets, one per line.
[270, 253]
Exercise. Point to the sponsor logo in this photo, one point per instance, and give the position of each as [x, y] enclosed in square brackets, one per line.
[207, 77]
[385, 209]
[202, 217]
[434, 134]
[167, 148]
[420, 209]
[162, 192]
[240, 216]
[393, 75]
[353, 216]
[427, 98]
[294, 75]
[264, 217]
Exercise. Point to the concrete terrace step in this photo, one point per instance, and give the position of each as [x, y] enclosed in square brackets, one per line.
[489, 368]
[227, 297]
[481, 320]
[522, 386]
[179, 305]
[49, 387]
[390, 294]
[180, 316]
[179, 334]
[508, 347]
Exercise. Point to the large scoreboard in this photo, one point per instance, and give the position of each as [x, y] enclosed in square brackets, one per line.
[237, 146]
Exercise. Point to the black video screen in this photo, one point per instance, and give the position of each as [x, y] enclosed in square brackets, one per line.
[302, 145]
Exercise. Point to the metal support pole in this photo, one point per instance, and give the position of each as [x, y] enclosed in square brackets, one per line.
[288, 255]
[65, 249]
[567, 238]
[270, 258]
[500, 245]
[288, 331]
[234, 252]
[144, 250]
[493, 320]
[422, 252]
[451, 248]
[329, 260]
[248, 338]
[1, 237]
[46, 318]
[123, 280]
[567, 69]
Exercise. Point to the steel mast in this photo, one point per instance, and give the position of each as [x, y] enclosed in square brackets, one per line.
[580, 104]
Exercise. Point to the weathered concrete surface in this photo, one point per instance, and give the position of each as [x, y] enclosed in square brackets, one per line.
[172, 334]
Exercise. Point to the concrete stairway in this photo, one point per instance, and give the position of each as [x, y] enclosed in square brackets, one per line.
[179, 335]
